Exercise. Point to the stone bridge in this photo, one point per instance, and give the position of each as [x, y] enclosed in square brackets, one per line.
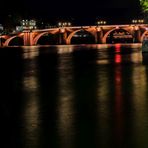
[64, 35]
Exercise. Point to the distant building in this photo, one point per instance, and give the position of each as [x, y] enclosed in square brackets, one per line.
[1, 28]
[26, 24]
[19, 28]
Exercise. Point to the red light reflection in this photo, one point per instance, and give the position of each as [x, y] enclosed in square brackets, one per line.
[119, 104]
[118, 56]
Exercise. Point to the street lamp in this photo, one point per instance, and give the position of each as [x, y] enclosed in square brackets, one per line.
[101, 22]
[64, 24]
[135, 21]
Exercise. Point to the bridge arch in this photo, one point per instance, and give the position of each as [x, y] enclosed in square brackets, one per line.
[110, 31]
[38, 37]
[7, 42]
[68, 40]
[3, 39]
[143, 35]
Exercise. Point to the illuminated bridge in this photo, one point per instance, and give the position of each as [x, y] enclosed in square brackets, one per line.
[133, 33]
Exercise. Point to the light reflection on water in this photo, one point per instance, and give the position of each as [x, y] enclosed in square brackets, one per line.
[30, 52]
[65, 106]
[31, 112]
[103, 91]
[140, 95]
[78, 96]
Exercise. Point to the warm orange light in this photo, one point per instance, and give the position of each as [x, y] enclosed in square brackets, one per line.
[136, 27]
[98, 29]
[62, 30]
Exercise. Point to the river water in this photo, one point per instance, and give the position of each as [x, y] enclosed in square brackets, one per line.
[74, 96]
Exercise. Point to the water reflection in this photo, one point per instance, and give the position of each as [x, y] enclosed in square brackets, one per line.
[140, 131]
[75, 96]
[136, 58]
[31, 118]
[103, 91]
[85, 91]
[119, 118]
[103, 58]
[65, 103]
[117, 55]
[145, 58]
[30, 52]
[65, 49]
[117, 58]
[10, 94]
[48, 78]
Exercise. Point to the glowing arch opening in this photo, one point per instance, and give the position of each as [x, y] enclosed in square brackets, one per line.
[118, 35]
[81, 37]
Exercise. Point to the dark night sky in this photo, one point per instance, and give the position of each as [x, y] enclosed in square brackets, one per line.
[81, 10]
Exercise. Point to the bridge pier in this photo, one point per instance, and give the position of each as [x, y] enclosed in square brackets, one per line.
[62, 36]
[28, 38]
[137, 35]
[99, 35]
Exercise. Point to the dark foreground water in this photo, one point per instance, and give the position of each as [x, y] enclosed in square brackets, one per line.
[87, 96]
